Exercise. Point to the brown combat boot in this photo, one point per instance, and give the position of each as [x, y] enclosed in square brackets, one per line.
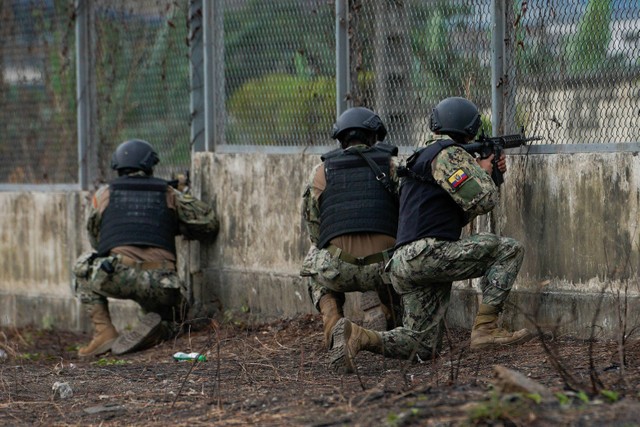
[104, 334]
[347, 340]
[486, 333]
[331, 311]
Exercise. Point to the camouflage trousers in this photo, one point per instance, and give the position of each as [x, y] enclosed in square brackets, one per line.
[422, 273]
[329, 274]
[157, 291]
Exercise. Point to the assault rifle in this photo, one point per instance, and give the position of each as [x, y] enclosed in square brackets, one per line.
[486, 146]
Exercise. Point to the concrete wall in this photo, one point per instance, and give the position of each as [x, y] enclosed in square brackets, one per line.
[577, 215]
[41, 235]
[38, 240]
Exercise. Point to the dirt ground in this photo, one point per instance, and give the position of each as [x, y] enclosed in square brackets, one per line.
[276, 374]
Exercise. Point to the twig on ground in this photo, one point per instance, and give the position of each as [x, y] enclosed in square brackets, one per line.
[193, 365]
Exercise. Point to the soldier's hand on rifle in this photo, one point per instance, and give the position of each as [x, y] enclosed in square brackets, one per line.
[502, 163]
[486, 164]
[183, 182]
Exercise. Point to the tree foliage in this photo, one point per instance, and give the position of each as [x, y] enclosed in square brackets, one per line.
[281, 109]
[266, 37]
[443, 65]
[587, 49]
[143, 82]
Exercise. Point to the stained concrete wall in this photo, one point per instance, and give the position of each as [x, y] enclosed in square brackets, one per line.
[577, 216]
[38, 240]
[41, 234]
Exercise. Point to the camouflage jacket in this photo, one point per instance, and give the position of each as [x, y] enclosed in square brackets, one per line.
[484, 196]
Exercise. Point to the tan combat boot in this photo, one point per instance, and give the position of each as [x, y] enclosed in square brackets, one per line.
[331, 312]
[347, 340]
[104, 334]
[486, 333]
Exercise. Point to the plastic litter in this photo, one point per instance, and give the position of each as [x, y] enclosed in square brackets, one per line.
[190, 356]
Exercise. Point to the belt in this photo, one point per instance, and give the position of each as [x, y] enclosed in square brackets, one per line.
[147, 265]
[366, 260]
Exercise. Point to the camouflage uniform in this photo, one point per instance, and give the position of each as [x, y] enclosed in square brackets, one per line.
[157, 290]
[326, 272]
[422, 271]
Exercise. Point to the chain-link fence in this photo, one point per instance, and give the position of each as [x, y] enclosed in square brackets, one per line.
[571, 69]
[571, 73]
[407, 56]
[38, 142]
[578, 70]
[279, 71]
[142, 79]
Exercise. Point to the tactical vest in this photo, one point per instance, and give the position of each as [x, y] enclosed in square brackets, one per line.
[138, 215]
[354, 201]
[426, 210]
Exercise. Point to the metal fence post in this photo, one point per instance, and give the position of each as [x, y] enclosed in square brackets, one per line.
[497, 65]
[214, 106]
[342, 56]
[196, 65]
[86, 94]
[509, 71]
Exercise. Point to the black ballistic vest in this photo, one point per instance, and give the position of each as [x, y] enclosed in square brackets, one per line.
[426, 210]
[138, 215]
[354, 201]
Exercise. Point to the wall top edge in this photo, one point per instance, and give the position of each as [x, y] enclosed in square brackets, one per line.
[605, 147]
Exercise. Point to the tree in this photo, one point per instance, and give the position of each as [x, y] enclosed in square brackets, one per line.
[587, 49]
[447, 53]
[265, 37]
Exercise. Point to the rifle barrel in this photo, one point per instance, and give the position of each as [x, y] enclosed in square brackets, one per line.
[513, 141]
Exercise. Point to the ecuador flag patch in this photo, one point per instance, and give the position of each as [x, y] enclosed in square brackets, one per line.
[457, 179]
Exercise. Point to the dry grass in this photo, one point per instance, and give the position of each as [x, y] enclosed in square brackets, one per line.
[276, 374]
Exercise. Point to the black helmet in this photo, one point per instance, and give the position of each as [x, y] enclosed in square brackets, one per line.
[455, 115]
[358, 118]
[135, 155]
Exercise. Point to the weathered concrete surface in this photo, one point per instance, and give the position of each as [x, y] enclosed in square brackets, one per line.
[255, 261]
[41, 235]
[39, 240]
[577, 215]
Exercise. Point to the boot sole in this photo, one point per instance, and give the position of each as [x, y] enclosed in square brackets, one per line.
[339, 360]
[489, 345]
[142, 335]
[369, 300]
[374, 317]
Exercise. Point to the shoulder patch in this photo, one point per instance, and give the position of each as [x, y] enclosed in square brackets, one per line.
[458, 178]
